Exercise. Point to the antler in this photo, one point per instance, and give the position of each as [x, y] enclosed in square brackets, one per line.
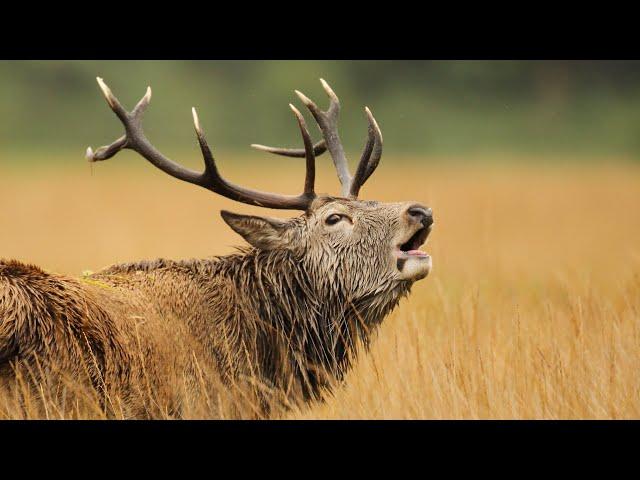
[328, 123]
[210, 178]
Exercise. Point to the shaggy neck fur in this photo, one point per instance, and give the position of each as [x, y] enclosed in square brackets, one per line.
[298, 329]
[304, 326]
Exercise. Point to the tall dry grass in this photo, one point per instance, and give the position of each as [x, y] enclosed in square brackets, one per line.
[532, 309]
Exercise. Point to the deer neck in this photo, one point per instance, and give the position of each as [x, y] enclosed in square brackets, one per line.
[323, 320]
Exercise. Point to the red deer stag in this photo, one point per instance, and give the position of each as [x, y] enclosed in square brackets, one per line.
[279, 322]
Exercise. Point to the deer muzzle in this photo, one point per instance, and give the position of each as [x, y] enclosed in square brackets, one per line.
[413, 263]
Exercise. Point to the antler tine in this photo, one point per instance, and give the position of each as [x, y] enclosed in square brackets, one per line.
[210, 179]
[309, 150]
[328, 123]
[370, 155]
[112, 100]
[377, 148]
[318, 149]
[142, 105]
[334, 101]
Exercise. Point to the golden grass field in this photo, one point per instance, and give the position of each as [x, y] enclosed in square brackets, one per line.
[532, 309]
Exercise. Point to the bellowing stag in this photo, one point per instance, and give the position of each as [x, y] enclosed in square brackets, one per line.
[276, 323]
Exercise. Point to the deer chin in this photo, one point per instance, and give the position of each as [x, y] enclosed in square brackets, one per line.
[411, 262]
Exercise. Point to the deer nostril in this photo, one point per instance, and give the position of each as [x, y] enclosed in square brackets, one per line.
[422, 214]
[418, 212]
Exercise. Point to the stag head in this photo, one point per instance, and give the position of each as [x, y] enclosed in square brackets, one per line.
[362, 246]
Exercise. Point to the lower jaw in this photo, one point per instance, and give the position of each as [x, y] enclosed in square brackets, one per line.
[413, 267]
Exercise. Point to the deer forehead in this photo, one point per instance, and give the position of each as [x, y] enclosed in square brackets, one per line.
[324, 205]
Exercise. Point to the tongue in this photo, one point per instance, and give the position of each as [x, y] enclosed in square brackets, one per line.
[417, 253]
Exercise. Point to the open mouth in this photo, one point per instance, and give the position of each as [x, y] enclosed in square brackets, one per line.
[411, 248]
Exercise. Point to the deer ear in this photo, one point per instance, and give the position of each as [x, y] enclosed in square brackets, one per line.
[265, 233]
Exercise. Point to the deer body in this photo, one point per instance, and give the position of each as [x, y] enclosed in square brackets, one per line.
[277, 322]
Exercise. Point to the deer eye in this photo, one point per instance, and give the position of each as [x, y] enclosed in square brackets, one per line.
[333, 219]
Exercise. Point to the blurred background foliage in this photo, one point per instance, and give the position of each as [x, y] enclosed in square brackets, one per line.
[583, 109]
